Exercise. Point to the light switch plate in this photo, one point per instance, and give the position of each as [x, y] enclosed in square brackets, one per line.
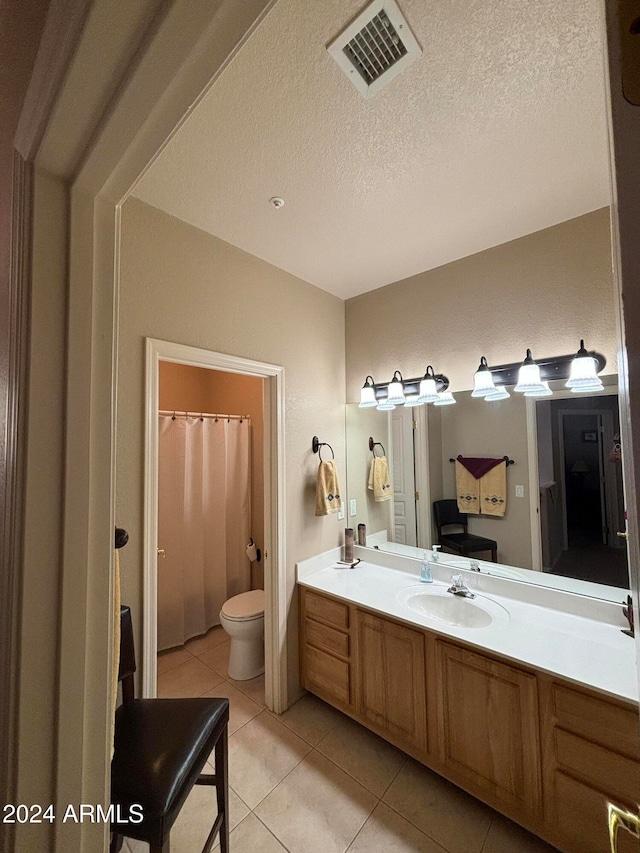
[352, 507]
[519, 491]
[340, 515]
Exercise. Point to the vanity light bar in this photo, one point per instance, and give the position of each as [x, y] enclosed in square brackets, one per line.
[554, 367]
[411, 386]
[376, 393]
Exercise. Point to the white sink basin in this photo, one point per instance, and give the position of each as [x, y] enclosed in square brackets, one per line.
[435, 602]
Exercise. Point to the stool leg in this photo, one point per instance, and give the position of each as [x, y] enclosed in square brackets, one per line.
[494, 555]
[222, 787]
[160, 848]
[117, 841]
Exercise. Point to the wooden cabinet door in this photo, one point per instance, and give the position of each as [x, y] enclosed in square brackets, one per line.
[488, 726]
[390, 679]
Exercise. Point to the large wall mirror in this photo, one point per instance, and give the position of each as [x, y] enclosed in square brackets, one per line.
[564, 491]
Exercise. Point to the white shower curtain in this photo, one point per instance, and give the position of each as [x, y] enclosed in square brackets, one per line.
[204, 522]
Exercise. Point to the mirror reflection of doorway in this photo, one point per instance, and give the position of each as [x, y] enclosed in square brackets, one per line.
[581, 494]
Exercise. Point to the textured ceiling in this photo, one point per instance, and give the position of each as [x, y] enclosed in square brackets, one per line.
[498, 130]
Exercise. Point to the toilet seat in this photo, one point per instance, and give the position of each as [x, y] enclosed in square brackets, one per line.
[244, 607]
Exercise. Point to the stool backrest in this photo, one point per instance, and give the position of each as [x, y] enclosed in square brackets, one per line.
[446, 512]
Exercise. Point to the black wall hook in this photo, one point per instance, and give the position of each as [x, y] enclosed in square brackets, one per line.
[316, 444]
[121, 537]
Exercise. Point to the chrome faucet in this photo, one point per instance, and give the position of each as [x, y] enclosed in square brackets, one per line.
[458, 587]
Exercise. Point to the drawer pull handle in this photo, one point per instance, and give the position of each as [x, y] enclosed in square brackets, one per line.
[621, 818]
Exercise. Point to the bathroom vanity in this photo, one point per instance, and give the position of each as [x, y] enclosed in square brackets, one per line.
[524, 697]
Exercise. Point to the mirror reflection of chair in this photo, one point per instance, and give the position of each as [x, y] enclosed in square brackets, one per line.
[160, 749]
[447, 514]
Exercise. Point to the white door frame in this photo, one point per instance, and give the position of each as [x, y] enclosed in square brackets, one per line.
[275, 616]
[534, 484]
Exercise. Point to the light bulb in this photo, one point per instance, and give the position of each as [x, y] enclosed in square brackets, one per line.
[368, 394]
[529, 376]
[583, 376]
[482, 380]
[428, 387]
[395, 393]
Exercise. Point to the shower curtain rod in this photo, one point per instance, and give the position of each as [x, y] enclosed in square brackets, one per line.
[176, 414]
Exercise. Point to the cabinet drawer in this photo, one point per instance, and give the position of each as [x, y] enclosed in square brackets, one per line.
[601, 721]
[326, 610]
[324, 637]
[327, 673]
[581, 816]
[599, 767]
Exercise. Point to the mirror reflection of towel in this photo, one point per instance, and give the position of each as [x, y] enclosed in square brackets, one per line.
[328, 500]
[481, 486]
[379, 479]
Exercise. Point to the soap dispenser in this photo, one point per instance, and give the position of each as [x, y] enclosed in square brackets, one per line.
[434, 553]
[425, 570]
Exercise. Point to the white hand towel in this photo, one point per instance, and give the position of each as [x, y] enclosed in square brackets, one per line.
[379, 479]
[328, 500]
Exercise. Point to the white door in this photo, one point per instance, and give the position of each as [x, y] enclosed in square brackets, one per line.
[623, 20]
[403, 477]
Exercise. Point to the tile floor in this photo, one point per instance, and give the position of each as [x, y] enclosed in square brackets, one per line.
[313, 781]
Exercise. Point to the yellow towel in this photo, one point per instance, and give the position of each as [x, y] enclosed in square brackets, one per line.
[379, 479]
[115, 662]
[328, 498]
[493, 491]
[467, 490]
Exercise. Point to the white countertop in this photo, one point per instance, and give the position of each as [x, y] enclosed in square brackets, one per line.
[570, 636]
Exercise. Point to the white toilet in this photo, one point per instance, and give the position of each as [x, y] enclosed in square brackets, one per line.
[242, 617]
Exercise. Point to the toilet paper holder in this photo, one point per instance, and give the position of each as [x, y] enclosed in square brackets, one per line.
[253, 553]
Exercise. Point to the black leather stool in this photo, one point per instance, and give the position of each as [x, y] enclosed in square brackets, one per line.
[447, 514]
[161, 746]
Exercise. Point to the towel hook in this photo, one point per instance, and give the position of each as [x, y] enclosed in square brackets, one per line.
[316, 444]
[373, 444]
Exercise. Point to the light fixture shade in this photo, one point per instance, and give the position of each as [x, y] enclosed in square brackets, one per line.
[588, 388]
[428, 387]
[385, 406]
[544, 392]
[412, 399]
[500, 393]
[529, 376]
[368, 394]
[583, 375]
[445, 398]
[395, 392]
[482, 380]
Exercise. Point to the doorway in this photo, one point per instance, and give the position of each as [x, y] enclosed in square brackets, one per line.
[210, 517]
[581, 489]
[233, 382]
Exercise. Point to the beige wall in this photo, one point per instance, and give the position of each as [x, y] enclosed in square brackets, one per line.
[180, 284]
[546, 291]
[197, 389]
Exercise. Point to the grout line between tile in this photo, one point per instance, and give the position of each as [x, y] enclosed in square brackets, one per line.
[408, 820]
[484, 841]
[279, 840]
[400, 769]
[306, 755]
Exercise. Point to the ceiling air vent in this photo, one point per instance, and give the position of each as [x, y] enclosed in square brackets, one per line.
[375, 47]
